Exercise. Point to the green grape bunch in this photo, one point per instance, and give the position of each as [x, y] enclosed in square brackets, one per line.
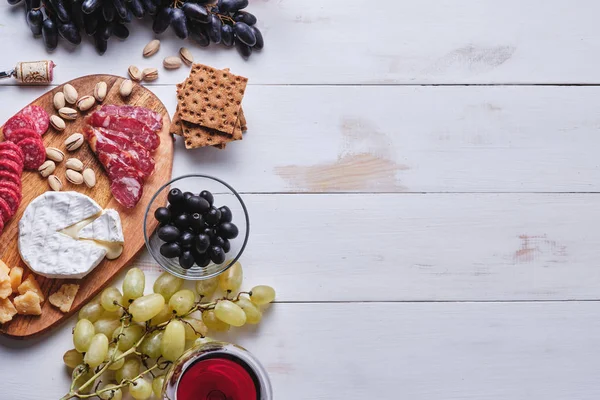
[126, 341]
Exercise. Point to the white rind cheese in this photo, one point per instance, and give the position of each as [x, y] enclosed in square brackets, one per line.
[105, 228]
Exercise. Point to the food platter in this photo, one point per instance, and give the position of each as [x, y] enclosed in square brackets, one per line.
[34, 185]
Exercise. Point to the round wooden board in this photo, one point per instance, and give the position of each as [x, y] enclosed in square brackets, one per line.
[132, 219]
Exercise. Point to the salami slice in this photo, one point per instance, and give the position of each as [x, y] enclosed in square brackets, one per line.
[5, 212]
[12, 156]
[34, 152]
[15, 187]
[11, 146]
[17, 122]
[39, 116]
[11, 198]
[19, 134]
[11, 166]
[10, 177]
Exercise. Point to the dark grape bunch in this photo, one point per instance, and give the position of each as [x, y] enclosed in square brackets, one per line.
[203, 21]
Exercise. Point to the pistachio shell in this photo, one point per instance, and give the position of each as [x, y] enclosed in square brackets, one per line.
[151, 48]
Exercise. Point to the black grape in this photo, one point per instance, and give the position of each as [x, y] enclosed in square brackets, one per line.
[227, 35]
[243, 48]
[34, 20]
[77, 13]
[162, 20]
[232, 5]
[179, 23]
[101, 44]
[214, 30]
[244, 33]
[108, 11]
[104, 31]
[260, 43]
[149, 6]
[196, 12]
[50, 34]
[128, 17]
[61, 11]
[198, 34]
[136, 8]
[69, 32]
[89, 6]
[27, 5]
[120, 31]
[245, 17]
[90, 25]
[13, 2]
[35, 3]
[120, 8]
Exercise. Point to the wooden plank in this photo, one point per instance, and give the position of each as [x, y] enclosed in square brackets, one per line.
[400, 139]
[423, 247]
[515, 351]
[355, 42]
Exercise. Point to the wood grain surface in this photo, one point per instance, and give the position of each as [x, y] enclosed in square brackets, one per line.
[132, 219]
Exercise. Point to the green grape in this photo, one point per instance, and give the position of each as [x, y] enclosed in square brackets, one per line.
[193, 325]
[91, 311]
[182, 301]
[107, 326]
[82, 378]
[230, 313]
[163, 316]
[201, 341]
[151, 344]
[172, 344]
[109, 297]
[83, 334]
[72, 358]
[167, 285]
[112, 314]
[212, 322]
[157, 386]
[134, 284]
[131, 335]
[231, 280]
[146, 307]
[113, 354]
[96, 353]
[140, 389]
[262, 294]
[207, 287]
[253, 314]
[130, 370]
[112, 394]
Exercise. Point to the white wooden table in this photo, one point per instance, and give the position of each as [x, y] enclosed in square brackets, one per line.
[423, 181]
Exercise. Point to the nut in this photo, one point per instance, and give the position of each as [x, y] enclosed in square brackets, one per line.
[55, 183]
[86, 102]
[134, 73]
[100, 91]
[126, 87]
[59, 100]
[57, 122]
[151, 48]
[74, 177]
[70, 93]
[47, 168]
[74, 164]
[68, 113]
[186, 56]
[74, 142]
[55, 154]
[150, 74]
[172, 62]
[89, 177]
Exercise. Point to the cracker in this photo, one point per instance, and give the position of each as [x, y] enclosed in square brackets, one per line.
[242, 119]
[175, 127]
[199, 136]
[64, 297]
[212, 98]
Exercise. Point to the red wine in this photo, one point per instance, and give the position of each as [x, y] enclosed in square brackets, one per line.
[220, 378]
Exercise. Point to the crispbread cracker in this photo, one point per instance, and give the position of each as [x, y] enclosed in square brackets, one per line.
[199, 136]
[212, 98]
[242, 119]
[175, 127]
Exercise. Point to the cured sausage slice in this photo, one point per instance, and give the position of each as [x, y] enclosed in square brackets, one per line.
[5, 211]
[23, 133]
[17, 122]
[34, 153]
[11, 146]
[10, 177]
[11, 166]
[38, 116]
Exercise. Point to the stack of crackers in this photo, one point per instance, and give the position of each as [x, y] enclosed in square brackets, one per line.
[209, 108]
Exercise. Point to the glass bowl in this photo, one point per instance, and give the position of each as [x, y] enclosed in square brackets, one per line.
[224, 195]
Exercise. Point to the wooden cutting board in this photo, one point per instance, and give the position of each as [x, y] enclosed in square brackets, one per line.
[132, 219]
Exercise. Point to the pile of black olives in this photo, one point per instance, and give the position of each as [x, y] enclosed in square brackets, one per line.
[194, 230]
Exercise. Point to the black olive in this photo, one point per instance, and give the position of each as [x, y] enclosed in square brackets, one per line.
[169, 233]
[202, 243]
[218, 241]
[196, 204]
[186, 239]
[212, 216]
[228, 230]
[170, 250]
[210, 232]
[187, 195]
[162, 214]
[201, 259]
[175, 196]
[226, 215]
[186, 260]
[206, 195]
[182, 221]
[217, 255]
[197, 222]
[226, 246]
[175, 210]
